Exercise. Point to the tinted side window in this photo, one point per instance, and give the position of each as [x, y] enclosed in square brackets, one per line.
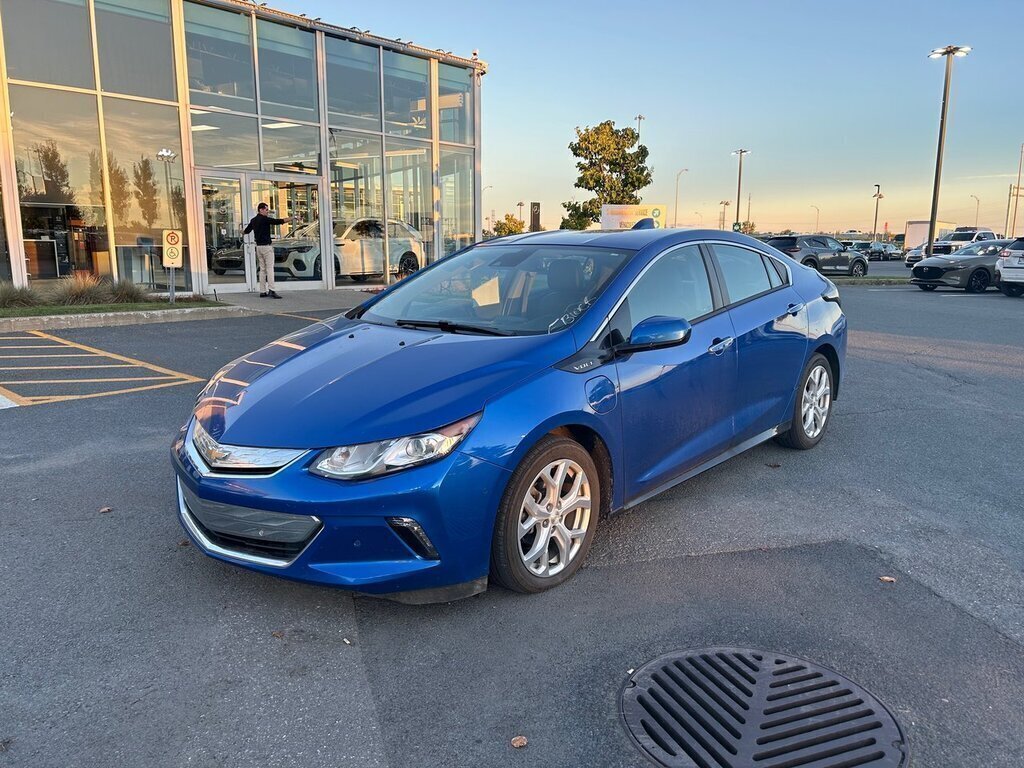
[775, 274]
[743, 271]
[833, 244]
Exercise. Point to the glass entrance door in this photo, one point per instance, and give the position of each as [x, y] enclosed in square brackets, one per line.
[230, 200]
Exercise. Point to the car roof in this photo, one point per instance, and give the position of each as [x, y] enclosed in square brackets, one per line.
[631, 239]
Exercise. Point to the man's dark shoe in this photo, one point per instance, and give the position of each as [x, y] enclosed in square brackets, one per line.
[263, 295]
[273, 295]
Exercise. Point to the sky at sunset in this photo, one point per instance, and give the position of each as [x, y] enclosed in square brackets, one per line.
[831, 97]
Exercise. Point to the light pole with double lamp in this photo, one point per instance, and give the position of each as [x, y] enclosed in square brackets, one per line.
[949, 52]
[721, 219]
[977, 209]
[739, 181]
[817, 218]
[675, 211]
[878, 197]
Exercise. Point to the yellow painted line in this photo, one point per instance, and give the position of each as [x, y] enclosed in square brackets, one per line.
[64, 367]
[236, 382]
[84, 381]
[16, 338]
[30, 346]
[14, 398]
[13, 357]
[64, 398]
[289, 345]
[133, 361]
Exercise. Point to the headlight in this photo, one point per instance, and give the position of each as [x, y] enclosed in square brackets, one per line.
[351, 462]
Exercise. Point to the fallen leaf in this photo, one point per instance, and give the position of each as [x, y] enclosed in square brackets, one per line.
[5, 744]
[277, 633]
[346, 641]
[773, 465]
[105, 510]
[184, 543]
[518, 742]
[887, 579]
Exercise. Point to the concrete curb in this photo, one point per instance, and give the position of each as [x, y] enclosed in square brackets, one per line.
[101, 319]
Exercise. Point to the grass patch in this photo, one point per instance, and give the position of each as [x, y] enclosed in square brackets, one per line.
[81, 309]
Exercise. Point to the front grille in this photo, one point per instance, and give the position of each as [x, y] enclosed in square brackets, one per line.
[928, 273]
[939, 248]
[243, 531]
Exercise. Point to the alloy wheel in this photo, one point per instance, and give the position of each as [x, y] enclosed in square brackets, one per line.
[817, 399]
[858, 269]
[978, 281]
[554, 518]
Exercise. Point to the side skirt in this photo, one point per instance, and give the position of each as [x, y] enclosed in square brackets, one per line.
[734, 451]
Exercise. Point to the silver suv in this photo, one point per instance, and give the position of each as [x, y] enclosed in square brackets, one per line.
[822, 253]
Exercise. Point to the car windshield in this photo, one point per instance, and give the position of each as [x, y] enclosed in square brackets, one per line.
[960, 237]
[861, 246]
[508, 289]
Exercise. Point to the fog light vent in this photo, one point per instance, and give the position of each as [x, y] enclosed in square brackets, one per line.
[414, 536]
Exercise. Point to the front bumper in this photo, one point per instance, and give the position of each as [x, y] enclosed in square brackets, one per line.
[297, 525]
[941, 276]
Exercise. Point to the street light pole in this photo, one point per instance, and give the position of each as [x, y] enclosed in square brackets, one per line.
[638, 118]
[878, 197]
[725, 204]
[977, 209]
[817, 219]
[675, 211]
[949, 52]
[701, 215]
[1016, 193]
[739, 181]
[1006, 224]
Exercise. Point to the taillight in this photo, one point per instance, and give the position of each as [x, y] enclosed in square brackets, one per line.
[792, 250]
[1004, 254]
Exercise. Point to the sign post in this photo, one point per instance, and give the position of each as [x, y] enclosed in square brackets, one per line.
[172, 255]
[625, 216]
[737, 227]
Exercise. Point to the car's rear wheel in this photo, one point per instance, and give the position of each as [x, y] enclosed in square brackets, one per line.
[1010, 289]
[927, 287]
[978, 281]
[858, 269]
[408, 264]
[811, 263]
[547, 517]
[812, 408]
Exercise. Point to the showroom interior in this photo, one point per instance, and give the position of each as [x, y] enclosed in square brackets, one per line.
[126, 118]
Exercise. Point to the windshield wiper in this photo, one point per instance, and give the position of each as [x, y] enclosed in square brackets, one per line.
[450, 327]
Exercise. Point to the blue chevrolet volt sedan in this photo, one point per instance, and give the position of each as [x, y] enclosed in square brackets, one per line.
[478, 420]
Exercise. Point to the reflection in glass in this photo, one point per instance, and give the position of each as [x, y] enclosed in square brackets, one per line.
[134, 40]
[406, 95]
[297, 241]
[147, 186]
[410, 196]
[223, 223]
[290, 147]
[357, 205]
[48, 41]
[60, 181]
[225, 141]
[353, 84]
[219, 54]
[455, 103]
[288, 86]
[458, 227]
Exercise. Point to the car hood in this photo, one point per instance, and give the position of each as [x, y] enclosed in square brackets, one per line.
[946, 261]
[342, 381]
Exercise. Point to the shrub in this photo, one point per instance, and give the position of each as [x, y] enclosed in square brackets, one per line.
[17, 297]
[127, 292]
[80, 288]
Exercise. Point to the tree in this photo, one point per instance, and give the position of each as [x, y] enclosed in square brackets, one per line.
[612, 164]
[510, 225]
[53, 170]
[120, 190]
[146, 190]
[748, 227]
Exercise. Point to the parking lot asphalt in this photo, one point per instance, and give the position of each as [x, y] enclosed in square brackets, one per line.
[123, 645]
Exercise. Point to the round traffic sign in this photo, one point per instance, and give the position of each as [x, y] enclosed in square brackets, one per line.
[172, 238]
[736, 226]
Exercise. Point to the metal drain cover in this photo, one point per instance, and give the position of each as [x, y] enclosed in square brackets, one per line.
[737, 708]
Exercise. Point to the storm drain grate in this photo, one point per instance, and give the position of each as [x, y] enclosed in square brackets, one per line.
[738, 708]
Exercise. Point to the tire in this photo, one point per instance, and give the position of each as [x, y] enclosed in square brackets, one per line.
[978, 282]
[858, 269]
[798, 436]
[360, 278]
[408, 263]
[219, 271]
[927, 287]
[812, 264]
[508, 560]
[1011, 289]
[318, 270]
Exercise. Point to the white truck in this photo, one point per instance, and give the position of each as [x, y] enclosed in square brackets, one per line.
[917, 232]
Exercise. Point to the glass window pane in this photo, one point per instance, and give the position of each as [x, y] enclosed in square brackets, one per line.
[406, 95]
[676, 285]
[219, 54]
[410, 192]
[136, 55]
[353, 84]
[48, 41]
[60, 181]
[743, 272]
[458, 226]
[288, 86]
[147, 185]
[357, 205]
[455, 103]
[290, 147]
[225, 141]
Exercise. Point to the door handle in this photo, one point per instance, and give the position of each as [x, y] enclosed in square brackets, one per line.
[720, 345]
[794, 309]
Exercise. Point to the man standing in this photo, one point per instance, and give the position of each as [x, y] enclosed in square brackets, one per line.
[260, 227]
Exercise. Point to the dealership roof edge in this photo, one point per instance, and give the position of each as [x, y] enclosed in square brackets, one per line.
[352, 33]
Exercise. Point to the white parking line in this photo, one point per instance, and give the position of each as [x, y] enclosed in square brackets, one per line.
[5, 403]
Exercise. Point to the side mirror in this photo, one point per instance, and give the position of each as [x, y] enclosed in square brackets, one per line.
[657, 333]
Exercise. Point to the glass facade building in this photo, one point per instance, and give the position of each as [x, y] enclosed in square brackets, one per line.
[126, 118]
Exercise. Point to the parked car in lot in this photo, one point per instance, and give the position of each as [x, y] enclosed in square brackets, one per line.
[972, 268]
[358, 251]
[960, 238]
[914, 255]
[1010, 268]
[480, 419]
[883, 251]
[822, 253]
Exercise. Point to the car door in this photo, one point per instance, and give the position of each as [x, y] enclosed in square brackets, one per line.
[839, 257]
[769, 321]
[677, 402]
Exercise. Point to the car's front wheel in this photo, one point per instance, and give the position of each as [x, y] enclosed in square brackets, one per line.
[858, 269]
[812, 408]
[1011, 289]
[924, 287]
[978, 281]
[547, 517]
